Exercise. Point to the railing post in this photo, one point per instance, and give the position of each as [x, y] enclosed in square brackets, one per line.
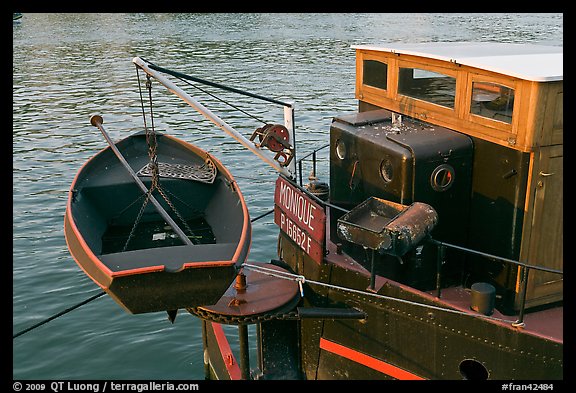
[441, 251]
[520, 322]
[205, 350]
[289, 124]
[314, 162]
[373, 271]
[244, 351]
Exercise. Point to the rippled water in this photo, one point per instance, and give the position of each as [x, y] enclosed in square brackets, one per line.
[67, 67]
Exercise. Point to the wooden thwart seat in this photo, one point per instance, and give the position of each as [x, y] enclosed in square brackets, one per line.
[171, 257]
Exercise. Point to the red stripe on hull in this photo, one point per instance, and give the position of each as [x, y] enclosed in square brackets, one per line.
[368, 361]
[227, 356]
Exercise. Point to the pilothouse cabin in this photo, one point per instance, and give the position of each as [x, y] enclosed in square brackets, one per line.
[480, 138]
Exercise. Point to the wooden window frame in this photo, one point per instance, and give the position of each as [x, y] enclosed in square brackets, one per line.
[423, 104]
[513, 84]
[363, 90]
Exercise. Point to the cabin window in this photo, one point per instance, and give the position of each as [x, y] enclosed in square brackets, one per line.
[375, 73]
[493, 101]
[434, 87]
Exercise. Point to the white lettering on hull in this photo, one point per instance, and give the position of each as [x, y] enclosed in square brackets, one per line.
[299, 236]
[299, 206]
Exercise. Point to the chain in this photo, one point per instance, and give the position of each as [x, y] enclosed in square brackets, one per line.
[169, 202]
[153, 165]
[138, 218]
[152, 143]
[241, 319]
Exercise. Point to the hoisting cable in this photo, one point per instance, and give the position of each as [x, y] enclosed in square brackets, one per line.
[214, 84]
[153, 166]
[222, 100]
[187, 78]
[58, 314]
[278, 137]
[301, 280]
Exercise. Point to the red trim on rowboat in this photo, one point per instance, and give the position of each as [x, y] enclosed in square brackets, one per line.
[245, 212]
[227, 356]
[101, 266]
[368, 361]
[67, 222]
[151, 269]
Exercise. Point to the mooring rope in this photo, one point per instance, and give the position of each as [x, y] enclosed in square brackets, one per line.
[91, 298]
[58, 314]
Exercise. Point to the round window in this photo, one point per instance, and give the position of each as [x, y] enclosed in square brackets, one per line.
[442, 177]
[386, 170]
[340, 149]
[472, 369]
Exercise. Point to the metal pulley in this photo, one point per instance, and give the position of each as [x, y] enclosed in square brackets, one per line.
[273, 136]
[276, 138]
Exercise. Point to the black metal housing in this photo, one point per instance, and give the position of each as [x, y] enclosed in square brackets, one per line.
[373, 154]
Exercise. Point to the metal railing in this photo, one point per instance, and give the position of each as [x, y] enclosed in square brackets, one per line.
[442, 246]
[525, 276]
[313, 153]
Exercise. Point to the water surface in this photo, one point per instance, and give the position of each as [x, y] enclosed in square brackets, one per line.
[67, 67]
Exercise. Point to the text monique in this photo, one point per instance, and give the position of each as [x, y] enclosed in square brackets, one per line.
[299, 206]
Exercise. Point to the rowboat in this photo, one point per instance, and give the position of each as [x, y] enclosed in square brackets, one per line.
[124, 244]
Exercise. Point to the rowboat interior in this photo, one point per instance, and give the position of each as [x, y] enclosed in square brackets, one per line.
[109, 206]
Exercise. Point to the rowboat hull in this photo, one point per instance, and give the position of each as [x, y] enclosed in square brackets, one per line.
[140, 262]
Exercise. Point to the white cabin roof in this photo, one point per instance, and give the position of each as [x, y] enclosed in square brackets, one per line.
[537, 63]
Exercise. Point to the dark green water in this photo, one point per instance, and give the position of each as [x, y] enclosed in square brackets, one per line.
[67, 67]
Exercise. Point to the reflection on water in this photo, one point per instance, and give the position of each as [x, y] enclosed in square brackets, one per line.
[67, 67]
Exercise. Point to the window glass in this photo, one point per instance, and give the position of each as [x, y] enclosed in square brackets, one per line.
[434, 87]
[493, 101]
[375, 74]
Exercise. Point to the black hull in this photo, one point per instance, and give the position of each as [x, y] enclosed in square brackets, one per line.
[404, 340]
[405, 335]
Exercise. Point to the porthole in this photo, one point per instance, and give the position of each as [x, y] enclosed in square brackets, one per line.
[442, 177]
[387, 170]
[340, 149]
[473, 370]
